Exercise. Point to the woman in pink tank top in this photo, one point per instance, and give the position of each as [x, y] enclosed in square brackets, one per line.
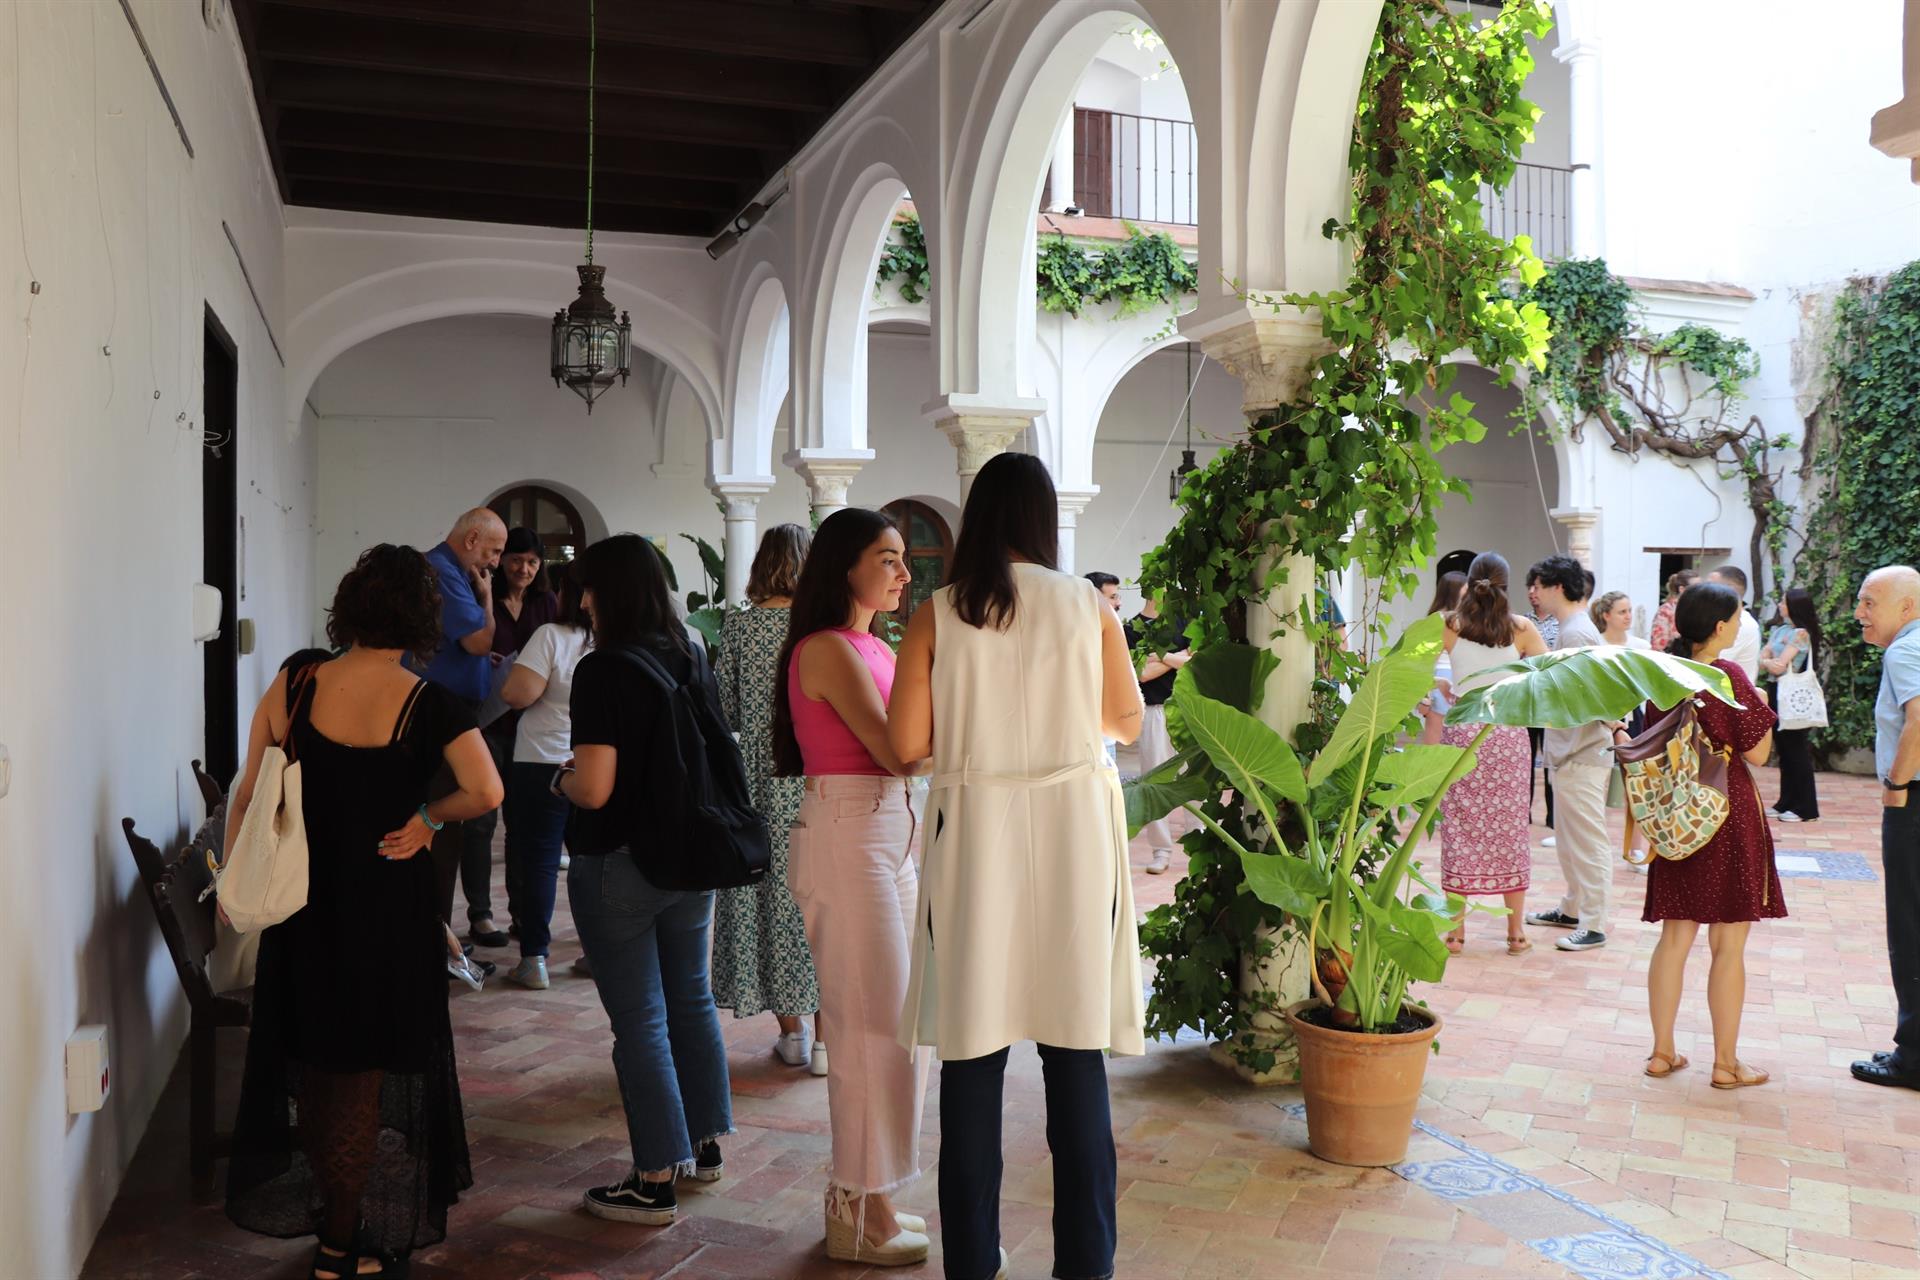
[850, 868]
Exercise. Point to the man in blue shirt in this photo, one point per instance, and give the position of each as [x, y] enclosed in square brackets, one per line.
[1889, 617]
[463, 666]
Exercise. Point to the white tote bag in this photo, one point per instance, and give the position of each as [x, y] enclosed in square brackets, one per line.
[1802, 703]
[264, 879]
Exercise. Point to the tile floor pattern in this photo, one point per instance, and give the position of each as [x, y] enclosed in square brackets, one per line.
[1542, 1150]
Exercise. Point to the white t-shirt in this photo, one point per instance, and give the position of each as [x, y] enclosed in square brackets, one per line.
[545, 735]
[1744, 652]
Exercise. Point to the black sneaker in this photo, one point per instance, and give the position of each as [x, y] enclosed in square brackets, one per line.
[633, 1199]
[1582, 940]
[1554, 919]
[707, 1164]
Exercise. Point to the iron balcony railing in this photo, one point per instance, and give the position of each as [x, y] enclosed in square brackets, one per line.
[1136, 167]
[1533, 204]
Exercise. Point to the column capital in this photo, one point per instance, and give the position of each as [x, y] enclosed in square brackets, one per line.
[1271, 352]
[1580, 523]
[1577, 49]
[980, 430]
[829, 474]
[741, 495]
[1073, 504]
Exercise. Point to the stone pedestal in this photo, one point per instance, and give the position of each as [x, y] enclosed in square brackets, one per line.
[1285, 978]
[829, 474]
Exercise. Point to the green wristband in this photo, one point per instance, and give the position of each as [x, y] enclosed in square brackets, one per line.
[429, 821]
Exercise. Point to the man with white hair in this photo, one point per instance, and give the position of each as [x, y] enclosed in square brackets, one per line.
[1889, 615]
[463, 666]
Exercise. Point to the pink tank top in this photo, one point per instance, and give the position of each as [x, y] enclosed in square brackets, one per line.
[827, 746]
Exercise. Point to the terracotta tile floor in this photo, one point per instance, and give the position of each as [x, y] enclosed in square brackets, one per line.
[1542, 1150]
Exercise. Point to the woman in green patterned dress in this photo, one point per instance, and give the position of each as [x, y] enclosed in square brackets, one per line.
[760, 955]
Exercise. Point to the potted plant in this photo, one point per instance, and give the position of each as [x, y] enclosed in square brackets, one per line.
[1332, 843]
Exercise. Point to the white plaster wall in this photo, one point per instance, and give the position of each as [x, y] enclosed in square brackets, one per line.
[421, 423]
[101, 700]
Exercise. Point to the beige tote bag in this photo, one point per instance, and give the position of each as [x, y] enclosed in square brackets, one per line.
[264, 879]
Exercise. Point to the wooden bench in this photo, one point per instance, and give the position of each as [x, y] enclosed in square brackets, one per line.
[210, 793]
[187, 924]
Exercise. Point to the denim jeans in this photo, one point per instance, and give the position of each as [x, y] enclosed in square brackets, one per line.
[1085, 1173]
[648, 949]
[536, 828]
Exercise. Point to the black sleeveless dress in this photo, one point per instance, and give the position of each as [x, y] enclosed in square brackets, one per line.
[356, 981]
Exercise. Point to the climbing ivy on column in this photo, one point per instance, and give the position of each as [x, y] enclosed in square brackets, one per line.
[1349, 472]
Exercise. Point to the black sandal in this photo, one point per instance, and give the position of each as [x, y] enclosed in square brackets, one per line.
[345, 1265]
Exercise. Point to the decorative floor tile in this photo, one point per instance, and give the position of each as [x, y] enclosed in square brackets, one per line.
[1822, 864]
[1463, 1179]
[1615, 1255]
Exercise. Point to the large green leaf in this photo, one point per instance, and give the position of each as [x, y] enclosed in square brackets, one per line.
[1408, 936]
[1410, 776]
[1156, 794]
[1235, 674]
[711, 562]
[1393, 687]
[1242, 747]
[1281, 880]
[1572, 687]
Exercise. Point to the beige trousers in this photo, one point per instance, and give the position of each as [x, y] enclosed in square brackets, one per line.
[1580, 831]
[850, 867]
[1155, 748]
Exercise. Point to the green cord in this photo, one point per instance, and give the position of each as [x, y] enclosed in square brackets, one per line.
[590, 56]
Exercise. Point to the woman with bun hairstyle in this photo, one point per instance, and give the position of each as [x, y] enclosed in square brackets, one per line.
[1730, 882]
[1484, 847]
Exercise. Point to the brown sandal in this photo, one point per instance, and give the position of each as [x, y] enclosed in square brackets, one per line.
[1739, 1081]
[1455, 944]
[1519, 946]
[1675, 1063]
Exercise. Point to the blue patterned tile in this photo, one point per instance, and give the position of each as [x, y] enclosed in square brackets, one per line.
[1463, 1179]
[1618, 1255]
[1822, 864]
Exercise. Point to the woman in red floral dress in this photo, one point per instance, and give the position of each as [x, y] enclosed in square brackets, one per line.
[1729, 883]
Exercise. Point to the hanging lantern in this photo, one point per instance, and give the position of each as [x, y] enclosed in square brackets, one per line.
[590, 347]
[1178, 476]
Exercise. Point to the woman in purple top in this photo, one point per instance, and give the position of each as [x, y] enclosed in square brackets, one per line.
[850, 866]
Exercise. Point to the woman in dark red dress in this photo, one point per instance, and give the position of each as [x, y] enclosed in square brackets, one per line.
[1731, 882]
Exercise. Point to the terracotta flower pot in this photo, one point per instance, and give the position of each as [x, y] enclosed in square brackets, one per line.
[1361, 1089]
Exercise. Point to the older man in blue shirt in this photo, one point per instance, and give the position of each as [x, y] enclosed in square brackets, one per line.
[1889, 615]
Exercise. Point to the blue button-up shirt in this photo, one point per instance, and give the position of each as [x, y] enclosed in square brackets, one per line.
[1899, 685]
[465, 675]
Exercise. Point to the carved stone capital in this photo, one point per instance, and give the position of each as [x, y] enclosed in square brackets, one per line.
[742, 500]
[1073, 504]
[1272, 353]
[829, 474]
[1580, 523]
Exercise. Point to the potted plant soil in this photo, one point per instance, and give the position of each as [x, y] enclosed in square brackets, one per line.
[1332, 844]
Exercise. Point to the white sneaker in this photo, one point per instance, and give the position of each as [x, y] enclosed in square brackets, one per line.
[1788, 815]
[1547, 843]
[566, 860]
[530, 973]
[817, 1065]
[792, 1047]
[1158, 861]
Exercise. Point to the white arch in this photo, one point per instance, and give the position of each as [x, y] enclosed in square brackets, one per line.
[383, 301]
[833, 378]
[759, 371]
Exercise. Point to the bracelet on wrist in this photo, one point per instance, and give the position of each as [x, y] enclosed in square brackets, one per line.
[431, 824]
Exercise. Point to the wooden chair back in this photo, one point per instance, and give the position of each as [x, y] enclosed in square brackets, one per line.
[210, 790]
[186, 923]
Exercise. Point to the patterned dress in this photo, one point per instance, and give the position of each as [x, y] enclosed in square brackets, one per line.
[1483, 817]
[760, 955]
[1733, 878]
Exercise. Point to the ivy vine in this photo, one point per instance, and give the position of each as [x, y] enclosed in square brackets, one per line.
[1440, 112]
[1676, 394]
[1863, 465]
[1146, 269]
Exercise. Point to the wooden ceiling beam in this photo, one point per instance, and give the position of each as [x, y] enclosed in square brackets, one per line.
[315, 130]
[481, 106]
[471, 178]
[529, 211]
[737, 27]
[290, 36]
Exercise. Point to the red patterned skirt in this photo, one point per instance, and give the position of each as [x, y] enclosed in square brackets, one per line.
[1484, 846]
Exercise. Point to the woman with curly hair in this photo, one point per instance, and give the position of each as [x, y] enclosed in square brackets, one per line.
[350, 1008]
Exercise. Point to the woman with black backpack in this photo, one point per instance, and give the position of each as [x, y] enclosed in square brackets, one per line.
[647, 945]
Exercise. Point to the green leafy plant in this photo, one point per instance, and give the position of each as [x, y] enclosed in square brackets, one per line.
[1334, 841]
[706, 610]
[904, 258]
[1863, 461]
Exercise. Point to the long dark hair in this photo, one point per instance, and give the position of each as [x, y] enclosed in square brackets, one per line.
[822, 601]
[1702, 607]
[1447, 592]
[522, 541]
[1012, 510]
[629, 586]
[566, 581]
[1804, 614]
[1483, 615]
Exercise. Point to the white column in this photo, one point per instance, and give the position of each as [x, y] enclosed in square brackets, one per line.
[1072, 502]
[1060, 193]
[979, 431]
[829, 474]
[743, 534]
[1580, 523]
[1587, 232]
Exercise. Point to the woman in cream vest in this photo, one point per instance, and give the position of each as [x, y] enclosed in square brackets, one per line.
[1009, 678]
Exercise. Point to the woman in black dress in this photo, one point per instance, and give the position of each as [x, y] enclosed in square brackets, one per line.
[350, 1008]
[1731, 881]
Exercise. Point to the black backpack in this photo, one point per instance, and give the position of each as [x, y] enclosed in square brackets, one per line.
[702, 831]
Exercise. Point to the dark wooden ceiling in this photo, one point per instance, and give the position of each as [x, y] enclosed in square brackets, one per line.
[477, 109]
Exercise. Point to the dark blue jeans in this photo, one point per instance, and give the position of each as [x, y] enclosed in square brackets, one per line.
[648, 949]
[536, 830]
[1900, 859]
[1085, 1173]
